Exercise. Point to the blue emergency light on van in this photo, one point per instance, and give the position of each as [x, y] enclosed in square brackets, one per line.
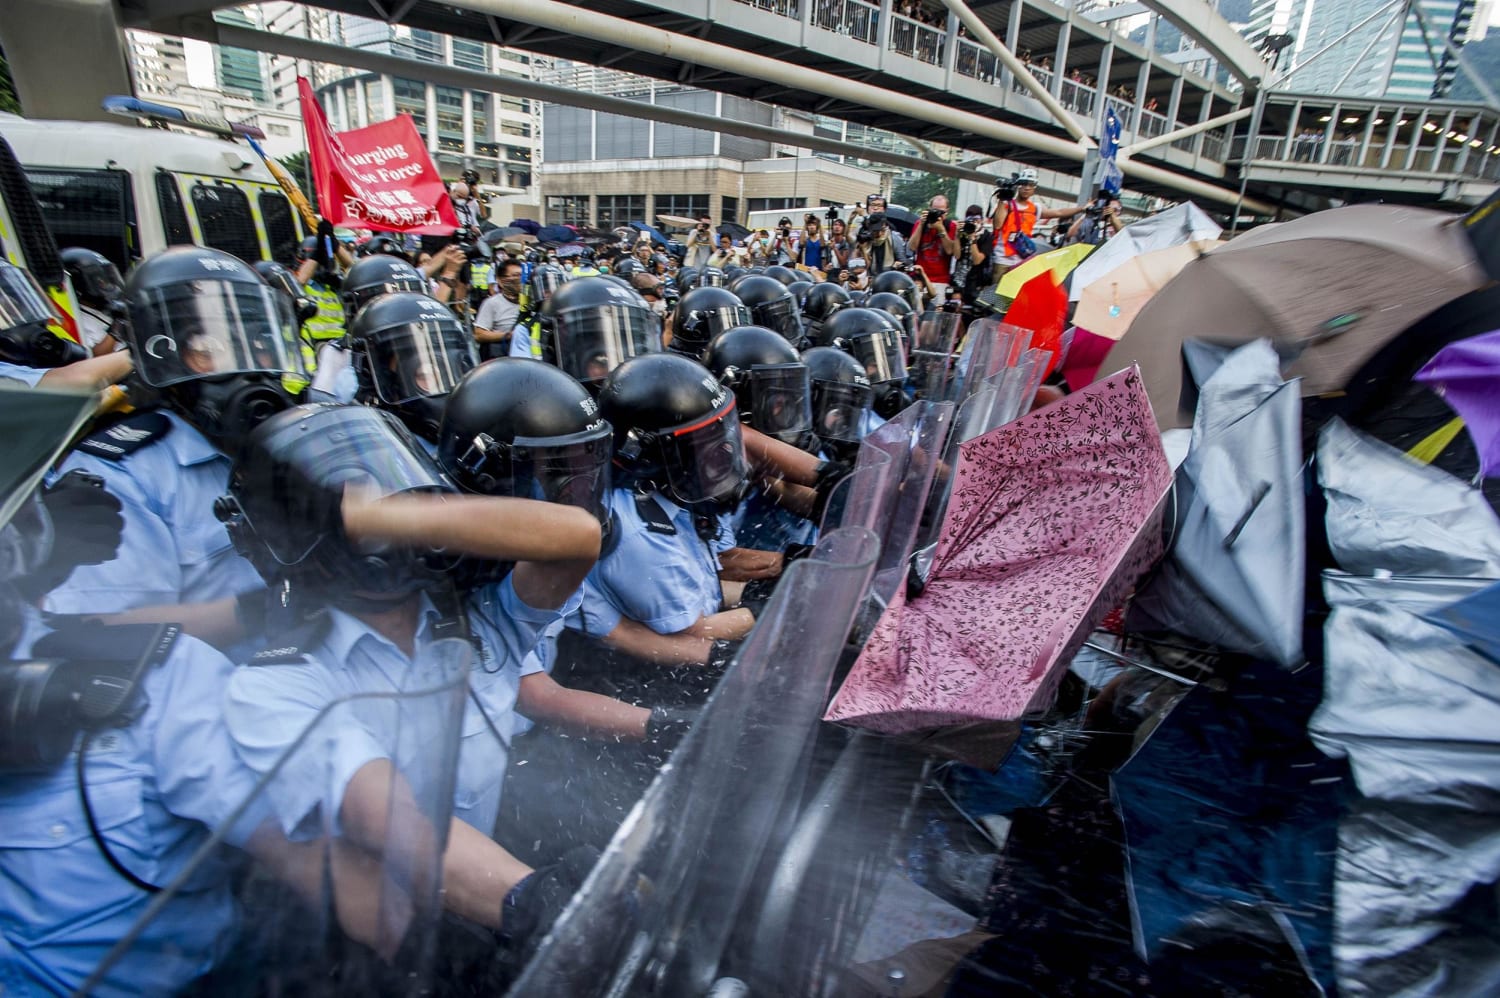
[134, 107]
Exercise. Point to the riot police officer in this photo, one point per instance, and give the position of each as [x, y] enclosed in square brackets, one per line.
[821, 302]
[873, 338]
[598, 324]
[842, 401]
[772, 305]
[536, 316]
[214, 343]
[378, 275]
[317, 272]
[702, 314]
[896, 282]
[408, 352]
[342, 511]
[97, 285]
[32, 351]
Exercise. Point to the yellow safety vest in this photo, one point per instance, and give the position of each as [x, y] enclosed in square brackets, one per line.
[479, 275]
[328, 324]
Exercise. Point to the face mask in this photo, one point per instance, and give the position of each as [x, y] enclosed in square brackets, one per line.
[511, 288]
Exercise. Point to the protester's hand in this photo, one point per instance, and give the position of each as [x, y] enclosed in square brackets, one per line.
[324, 253]
[453, 260]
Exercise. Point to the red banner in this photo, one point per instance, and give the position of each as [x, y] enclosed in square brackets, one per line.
[379, 177]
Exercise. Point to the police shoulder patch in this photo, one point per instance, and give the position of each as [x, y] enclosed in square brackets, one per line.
[291, 648]
[120, 438]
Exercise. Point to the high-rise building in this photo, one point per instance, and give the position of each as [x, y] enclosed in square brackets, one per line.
[240, 70]
[158, 63]
[1356, 47]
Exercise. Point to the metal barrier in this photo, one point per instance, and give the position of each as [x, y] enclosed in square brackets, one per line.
[855, 18]
[1077, 97]
[917, 40]
[975, 61]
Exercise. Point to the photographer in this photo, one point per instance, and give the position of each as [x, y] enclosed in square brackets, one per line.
[726, 255]
[1100, 220]
[935, 241]
[1015, 218]
[448, 270]
[699, 244]
[881, 246]
[976, 245]
[784, 246]
[855, 276]
[840, 244]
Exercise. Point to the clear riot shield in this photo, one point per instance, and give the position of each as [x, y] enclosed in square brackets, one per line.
[681, 874]
[989, 347]
[915, 440]
[932, 360]
[339, 905]
[863, 499]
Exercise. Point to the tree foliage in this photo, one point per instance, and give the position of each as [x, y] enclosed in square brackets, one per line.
[8, 99]
[916, 192]
[298, 165]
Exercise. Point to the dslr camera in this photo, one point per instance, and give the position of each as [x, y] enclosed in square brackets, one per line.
[832, 214]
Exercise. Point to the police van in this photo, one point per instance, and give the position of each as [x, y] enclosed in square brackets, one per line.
[128, 191]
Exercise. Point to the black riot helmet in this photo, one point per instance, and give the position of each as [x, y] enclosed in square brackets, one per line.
[799, 290]
[898, 308]
[702, 314]
[772, 305]
[96, 281]
[895, 282]
[545, 280]
[676, 430]
[27, 319]
[732, 274]
[378, 275]
[598, 324]
[283, 280]
[870, 336]
[409, 352]
[626, 266]
[712, 277]
[519, 427]
[213, 339]
[687, 278]
[821, 302]
[283, 511]
[381, 244]
[786, 275]
[768, 378]
[841, 394]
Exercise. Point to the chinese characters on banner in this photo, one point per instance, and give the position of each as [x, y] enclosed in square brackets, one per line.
[379, 177]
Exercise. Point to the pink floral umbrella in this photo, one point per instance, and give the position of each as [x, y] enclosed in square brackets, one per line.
[1051, 521]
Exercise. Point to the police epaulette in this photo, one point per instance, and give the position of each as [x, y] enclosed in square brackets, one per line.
[117, 440]
[291, 648]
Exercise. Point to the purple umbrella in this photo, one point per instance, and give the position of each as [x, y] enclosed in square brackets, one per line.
[1467, 375]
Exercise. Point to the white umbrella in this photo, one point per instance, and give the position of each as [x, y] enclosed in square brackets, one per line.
[1177, 225]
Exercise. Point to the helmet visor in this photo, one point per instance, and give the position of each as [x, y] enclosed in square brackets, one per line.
[883, 355]
[199, 329]
[289, 500]
[22, 300]
[712, 278]
[782, 316]
[573, 470]
[420, 359]
[838, 408]
[595, 340]
[705, 324]
[705, 460]
[98, 283]
[781, 401]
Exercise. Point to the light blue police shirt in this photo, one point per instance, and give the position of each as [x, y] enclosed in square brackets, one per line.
[869, 423]
[156, 788]
[19, 372]
[173, 549]
[665, 581]
[268, 707]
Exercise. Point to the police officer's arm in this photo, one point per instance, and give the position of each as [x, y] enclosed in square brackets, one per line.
[379, 812]
[91, 375]
[218, 622]
[688, 647]
[749, 564]
[541, 698]
[553, 545]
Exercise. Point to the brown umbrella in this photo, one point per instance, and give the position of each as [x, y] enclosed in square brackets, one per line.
[681, 220]
[1329, 289]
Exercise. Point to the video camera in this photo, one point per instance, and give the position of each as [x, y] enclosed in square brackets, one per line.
[1005, 187]
[832, 214]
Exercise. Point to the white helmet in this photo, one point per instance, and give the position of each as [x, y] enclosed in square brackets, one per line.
[1026, 176]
